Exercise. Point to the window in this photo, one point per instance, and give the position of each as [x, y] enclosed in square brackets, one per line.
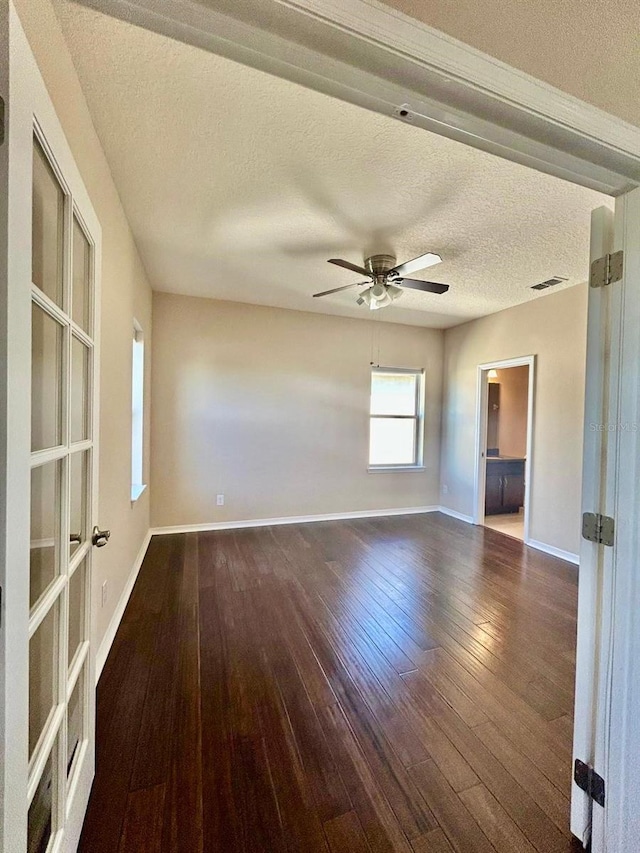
[396, 418]
[137, 412]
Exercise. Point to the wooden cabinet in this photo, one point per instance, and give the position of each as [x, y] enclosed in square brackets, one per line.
[504, 485]
[493, 493]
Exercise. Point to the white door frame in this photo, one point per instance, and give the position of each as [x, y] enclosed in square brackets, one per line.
[480, 475]
[617, 738]
[595, 561]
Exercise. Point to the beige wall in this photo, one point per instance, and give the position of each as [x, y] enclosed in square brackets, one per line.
[512, 416]
[554, 329]
[270, 408]
[125, 294]
[558, 42]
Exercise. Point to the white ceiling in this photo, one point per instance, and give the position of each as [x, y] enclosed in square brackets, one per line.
[239, 186]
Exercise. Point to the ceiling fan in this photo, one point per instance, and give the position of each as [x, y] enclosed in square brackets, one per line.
[388, 278]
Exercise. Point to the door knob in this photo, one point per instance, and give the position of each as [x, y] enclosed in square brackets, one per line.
[100, 537]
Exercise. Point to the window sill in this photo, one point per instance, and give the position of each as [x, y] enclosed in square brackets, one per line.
[383, 469]
[136, 492]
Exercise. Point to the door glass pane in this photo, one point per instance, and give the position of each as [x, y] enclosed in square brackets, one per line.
[393, 393]
[79, 385]
[47, 228]
[78, 463]
[392, 441]
[76, 609]
[46, 380]
[75, 716]
[45, 528]
[43, 656]
[81, 277]
[41, 809]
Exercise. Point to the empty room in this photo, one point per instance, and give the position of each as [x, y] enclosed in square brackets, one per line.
[321, 347]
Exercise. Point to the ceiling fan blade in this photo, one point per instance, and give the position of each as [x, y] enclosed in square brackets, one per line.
[427, 286]
[338, 289]
[421, 263]
[349, 266]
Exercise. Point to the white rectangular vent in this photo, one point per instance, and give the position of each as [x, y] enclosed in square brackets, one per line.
[550, 282]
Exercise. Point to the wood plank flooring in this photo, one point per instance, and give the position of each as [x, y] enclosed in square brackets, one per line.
[394, 684]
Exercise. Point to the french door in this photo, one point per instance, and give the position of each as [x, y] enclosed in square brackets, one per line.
[51, 322]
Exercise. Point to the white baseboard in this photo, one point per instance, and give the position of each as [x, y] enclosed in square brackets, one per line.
[555, 552]
[532, 543]
[109, 637]
[291, 519]
[454, 514]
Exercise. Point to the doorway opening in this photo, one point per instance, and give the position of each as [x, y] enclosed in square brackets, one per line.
[504, 430]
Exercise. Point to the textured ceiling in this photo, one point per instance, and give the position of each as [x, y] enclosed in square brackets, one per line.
[239, 186]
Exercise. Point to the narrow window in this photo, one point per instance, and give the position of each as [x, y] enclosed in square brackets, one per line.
[137, 413]
[396, 418]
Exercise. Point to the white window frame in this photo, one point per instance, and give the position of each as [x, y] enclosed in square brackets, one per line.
[137, 412]
[418, 463]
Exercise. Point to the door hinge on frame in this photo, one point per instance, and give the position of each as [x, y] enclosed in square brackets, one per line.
[607, 269]
[589, 781]
[598, 528]
[1, 121]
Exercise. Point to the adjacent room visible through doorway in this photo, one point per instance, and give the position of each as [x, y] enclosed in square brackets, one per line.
[504, 451]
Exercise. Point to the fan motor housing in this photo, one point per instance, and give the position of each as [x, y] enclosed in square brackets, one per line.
[378, 265]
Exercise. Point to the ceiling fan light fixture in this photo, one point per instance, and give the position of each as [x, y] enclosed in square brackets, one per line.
[365, 297]
[394, 292]
[379, 296]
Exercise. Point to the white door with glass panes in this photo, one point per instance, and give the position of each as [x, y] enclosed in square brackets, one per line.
[52, 277]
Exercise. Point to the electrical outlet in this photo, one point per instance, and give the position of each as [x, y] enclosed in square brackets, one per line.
[445, 490]
[105, 592]
[220, 500]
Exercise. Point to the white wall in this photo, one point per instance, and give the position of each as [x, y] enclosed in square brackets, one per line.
[125, 294]
[270, 407]
[552, 327]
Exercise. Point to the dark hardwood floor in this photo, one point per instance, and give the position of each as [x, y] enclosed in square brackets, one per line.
[395, 684]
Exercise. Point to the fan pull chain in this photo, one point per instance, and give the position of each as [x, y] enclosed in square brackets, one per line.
[375, 345]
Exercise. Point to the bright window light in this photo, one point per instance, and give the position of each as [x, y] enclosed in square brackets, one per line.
[396, 418]
[137, 413]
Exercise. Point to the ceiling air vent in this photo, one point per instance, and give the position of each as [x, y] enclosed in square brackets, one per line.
[550, 282]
